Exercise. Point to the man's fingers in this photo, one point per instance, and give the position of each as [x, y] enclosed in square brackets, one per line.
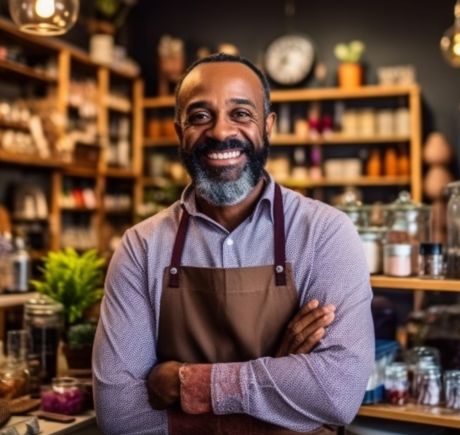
[300, 322]
[309, 335]
[307, 345]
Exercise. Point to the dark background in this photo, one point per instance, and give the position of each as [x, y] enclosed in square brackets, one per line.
[396, 32]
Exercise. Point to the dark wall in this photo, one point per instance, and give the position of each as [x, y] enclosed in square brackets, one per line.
[396, 32]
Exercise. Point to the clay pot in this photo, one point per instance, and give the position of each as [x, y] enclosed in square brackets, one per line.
[350, 75]
[435, 181]
[437, 150]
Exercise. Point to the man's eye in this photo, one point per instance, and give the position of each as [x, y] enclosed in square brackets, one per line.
[241, 115]
[198, 118]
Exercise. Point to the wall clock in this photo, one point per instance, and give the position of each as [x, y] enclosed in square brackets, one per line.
[289, 58]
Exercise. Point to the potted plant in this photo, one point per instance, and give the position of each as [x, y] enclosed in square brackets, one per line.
[350, 71]
[76, 281]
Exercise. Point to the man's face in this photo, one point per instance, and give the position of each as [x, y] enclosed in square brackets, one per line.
[223, 130]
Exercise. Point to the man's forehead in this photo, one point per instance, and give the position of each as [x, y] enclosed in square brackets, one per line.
[220, 72]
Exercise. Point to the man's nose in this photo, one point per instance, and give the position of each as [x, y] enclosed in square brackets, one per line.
[222, 129]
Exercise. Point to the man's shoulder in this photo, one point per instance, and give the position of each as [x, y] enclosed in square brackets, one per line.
[163, 221]
[307, 207]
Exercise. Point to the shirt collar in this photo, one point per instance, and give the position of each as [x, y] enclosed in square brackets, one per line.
[188, 199]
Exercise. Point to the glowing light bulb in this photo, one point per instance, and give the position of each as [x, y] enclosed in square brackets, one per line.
[45, 8]
[450, 41]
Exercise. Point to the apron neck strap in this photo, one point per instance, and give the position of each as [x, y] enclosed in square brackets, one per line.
[280, 242]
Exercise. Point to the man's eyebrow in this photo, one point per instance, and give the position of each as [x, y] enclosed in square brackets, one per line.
[244, 101]
[197, 105]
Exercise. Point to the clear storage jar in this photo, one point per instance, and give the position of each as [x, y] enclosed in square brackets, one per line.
[397, 259]
[64, 396]
[396, 383]
[453, 231]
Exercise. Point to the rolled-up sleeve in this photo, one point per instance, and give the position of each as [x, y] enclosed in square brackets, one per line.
[124, 347]
[326, 386]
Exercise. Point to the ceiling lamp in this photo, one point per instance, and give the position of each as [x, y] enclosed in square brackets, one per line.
[44, 17]
[450, 41]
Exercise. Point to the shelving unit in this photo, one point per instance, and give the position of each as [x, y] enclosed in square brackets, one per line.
[158, 139]
[54, 79]
[413, 413]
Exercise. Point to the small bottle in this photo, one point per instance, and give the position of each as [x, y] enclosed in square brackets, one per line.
[430, 260]
[396, 383]
[374, 165]
[20, 261]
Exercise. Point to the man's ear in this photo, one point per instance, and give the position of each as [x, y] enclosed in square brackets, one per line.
[269, 123]
[179, 131]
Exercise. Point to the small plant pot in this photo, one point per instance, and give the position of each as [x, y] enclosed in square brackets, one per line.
[78, 357]
[350, 75]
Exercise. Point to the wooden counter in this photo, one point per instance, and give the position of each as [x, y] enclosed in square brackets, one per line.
[83, 425]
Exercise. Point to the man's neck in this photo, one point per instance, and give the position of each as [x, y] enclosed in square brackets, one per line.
[231, 216]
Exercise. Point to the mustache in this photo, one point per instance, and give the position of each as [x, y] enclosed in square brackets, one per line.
[210, 144]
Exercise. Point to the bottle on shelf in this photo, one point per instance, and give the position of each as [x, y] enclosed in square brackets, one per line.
[20, 263]
[453, 231]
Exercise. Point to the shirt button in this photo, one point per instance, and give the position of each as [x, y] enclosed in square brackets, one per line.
[229, 242]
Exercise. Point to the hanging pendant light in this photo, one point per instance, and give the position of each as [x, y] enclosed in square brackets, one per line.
[44, 17]
[450, 41]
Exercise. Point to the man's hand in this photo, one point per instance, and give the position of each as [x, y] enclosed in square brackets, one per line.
[306, 329]
[163, 384]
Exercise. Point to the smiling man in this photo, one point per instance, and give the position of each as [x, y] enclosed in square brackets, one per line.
[244, 308]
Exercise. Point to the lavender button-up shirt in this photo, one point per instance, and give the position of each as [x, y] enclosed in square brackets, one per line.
[299, 392]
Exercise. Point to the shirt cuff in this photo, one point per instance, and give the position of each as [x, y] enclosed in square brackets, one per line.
[195, 388]
[229, 392]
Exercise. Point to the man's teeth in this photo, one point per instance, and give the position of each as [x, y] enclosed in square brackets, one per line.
[224, 155]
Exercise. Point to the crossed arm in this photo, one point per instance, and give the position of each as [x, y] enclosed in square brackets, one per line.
[302, 334]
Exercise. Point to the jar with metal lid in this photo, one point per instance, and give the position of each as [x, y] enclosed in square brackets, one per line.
[430, 260]
[429, 385]
[64, 396]
[396, 383]
[453, 231]
[371, 239]
[397, 259]
[452, 388]
[43, 319]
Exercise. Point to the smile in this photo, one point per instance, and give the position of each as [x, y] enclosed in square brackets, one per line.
[223, 155]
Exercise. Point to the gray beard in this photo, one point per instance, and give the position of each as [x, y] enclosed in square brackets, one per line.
[220, 192]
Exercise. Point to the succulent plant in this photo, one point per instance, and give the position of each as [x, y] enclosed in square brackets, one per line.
[351, 52]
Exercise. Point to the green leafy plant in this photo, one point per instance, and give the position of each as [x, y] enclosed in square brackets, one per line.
[75, 280]
[351, 52]
[81, 335]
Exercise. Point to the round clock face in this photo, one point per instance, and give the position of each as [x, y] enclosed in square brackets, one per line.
[289, 59]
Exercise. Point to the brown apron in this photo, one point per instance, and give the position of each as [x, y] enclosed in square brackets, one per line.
[211, 315]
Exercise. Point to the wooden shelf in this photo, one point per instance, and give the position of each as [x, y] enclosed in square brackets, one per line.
[159, 102]
[119, 173]
[79, 209]
[14, 125]
[29, 160]
[15, 299]
[361, 181]
[161, 142]
[80, 171]
[434, 415]
[20, 70]
[413, 283]
[335, 139]
[292, 95]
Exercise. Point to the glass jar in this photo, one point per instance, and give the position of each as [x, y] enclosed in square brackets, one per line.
[396, 383]
[397, 259]
[408, 222]
[452, 388]
[14, 376]
[371, 239]
[429, 385]
[63, 396]
[415, 358]
[44, 322]
[453, 231]
[430, 260]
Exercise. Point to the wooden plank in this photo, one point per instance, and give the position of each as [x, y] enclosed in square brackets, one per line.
[361, 181]
[414, 283]
[335, 139]
[32, 160]
[16, 299]
[6, 66]
[434, 415]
